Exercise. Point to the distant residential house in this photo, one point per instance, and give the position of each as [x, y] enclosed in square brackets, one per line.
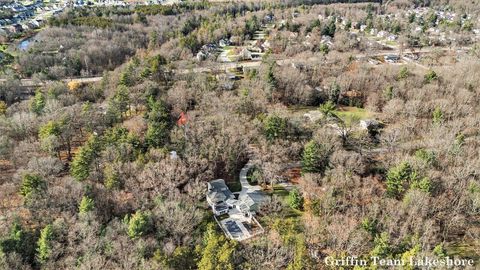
[313, 116]
[391, 58]
[34, 24]
[15, 28]
[369, 124]
[249, 202]
[392, 37]
[245, 54]
[217, 195]
[432, 30]
[327, 40]
[201, 56]
[382, 34]
[224, 42]
[173, 155]
[268, 18]
[266, 45]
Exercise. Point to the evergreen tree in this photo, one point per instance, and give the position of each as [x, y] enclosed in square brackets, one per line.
[301, 259]
[138, 224]
[119, 104]
[20, 241]
[271, 80]
[424, 184]
[389, 93]
[44, 244]
[31, 183]
[324, 48]
[38, 103]
[440, 251]
[86, 205]
[49, 136]
[382, 247]
[315, 158]
[295, 199]
[404, 73]
[431, 76]
[216, 252]
[111, 178]
[158, 120]
[80, 166]
[274, 127]
[397, 177]
[334, 93]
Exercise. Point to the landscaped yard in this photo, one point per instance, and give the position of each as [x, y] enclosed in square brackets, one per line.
[342, 111]
[282, 194]
[347, 111]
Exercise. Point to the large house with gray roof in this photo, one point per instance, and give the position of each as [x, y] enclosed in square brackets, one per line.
[234, 212]
[217, 196]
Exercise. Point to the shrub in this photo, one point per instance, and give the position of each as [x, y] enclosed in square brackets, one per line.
[430, 76]
[397, 177]
[112, 179]
[423, 184]
[428, 157]
[275, 127]
[403, 74]
[295, 199]
[437, 116]
[86, 205]
[31, 183]
[315, 158]
[138, 224]
[328, 108]
[44, 245]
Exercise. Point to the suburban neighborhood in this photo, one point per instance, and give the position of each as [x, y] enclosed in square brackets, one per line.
[246, 134]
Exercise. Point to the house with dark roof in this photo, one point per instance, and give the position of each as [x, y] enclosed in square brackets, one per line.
[217, 196]
[235, 216]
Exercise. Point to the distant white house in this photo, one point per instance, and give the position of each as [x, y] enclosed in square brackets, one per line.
[224, 42]
[234, 213]
[392, 37]
[313, 116]
[391, 58]
[201, 56]
[382, 34]
[369, 123]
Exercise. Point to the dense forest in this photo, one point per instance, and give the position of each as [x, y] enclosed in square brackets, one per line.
[353, 154]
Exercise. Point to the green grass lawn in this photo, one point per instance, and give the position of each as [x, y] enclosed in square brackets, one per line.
[301, 108]
[287, 211]
[391, 43]
[346, 112]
